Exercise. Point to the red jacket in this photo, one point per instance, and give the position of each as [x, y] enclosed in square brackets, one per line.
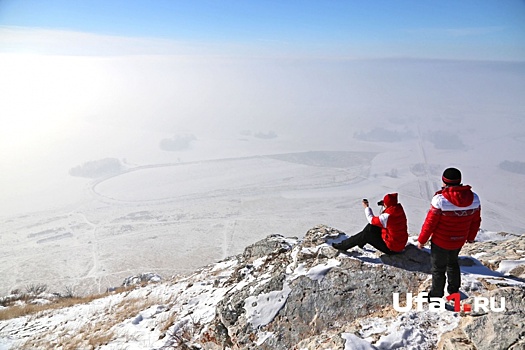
[454, 217]
[393, 223]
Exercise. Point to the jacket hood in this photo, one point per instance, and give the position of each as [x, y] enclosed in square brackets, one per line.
[460, 196]
[390, 199]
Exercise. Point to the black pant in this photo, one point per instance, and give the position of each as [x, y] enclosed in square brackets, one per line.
[444, 261]
[371, 234]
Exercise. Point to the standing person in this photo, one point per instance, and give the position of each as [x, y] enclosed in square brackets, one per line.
[386, 232]
[453, 219]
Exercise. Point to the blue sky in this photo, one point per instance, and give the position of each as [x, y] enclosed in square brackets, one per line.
[479, 29]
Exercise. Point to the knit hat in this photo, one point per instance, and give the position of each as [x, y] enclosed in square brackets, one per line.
[451, 176]
[390, 199]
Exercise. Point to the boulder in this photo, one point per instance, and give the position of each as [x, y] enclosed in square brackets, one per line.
[499, 330]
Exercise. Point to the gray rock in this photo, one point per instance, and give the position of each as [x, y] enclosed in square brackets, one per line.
[347, 290]
[346, 293]
[411, 259]
[322, 293]
[321, 234]
[285, 293]
[273, 244]
[500, 330]
[492, 253]
[142, 278]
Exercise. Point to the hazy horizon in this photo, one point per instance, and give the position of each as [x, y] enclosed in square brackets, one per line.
[66, 111]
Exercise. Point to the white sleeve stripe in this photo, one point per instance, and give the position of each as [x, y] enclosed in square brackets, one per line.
[369, 214]
[384, 219]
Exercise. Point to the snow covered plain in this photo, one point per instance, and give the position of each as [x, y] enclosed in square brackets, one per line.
[172, 218]
[170, 212]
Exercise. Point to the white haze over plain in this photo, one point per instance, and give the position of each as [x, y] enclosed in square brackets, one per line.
[275, 144]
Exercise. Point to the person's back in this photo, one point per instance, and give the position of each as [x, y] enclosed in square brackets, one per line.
[395, 234]
[454, 217]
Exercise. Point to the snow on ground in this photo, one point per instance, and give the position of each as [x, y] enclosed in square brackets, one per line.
[262, 309]
[411, 330]
[136, 319]
[144, 317]
[353, 342]
[506, 266]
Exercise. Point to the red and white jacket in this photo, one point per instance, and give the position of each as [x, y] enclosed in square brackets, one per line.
[454, 217]
[393, 223]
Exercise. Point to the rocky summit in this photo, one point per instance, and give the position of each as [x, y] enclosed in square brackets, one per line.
[291, 293]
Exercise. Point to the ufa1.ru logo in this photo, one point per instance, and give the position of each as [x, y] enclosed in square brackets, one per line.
[438, 304]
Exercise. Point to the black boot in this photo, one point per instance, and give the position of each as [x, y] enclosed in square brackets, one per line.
[339, 246]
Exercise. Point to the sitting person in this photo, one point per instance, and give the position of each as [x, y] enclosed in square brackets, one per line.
[387, 232]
